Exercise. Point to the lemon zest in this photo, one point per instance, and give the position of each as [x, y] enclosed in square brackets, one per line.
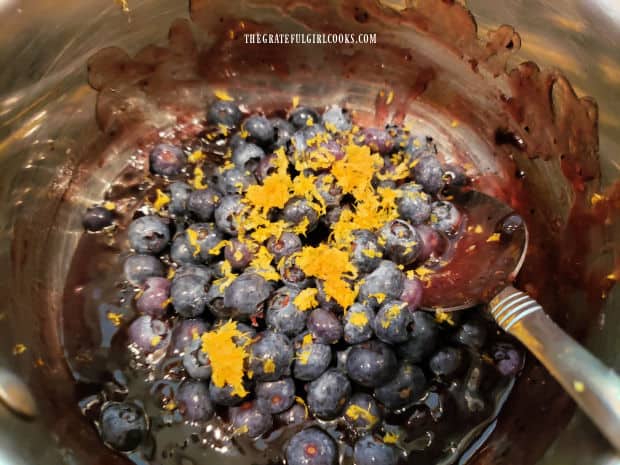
[269, 366]
[155, 340]
[19, 349]
[355, 412]
[596, 198]
[196, 156]
[115, 318]
[391, 438]
[192, 238]
[493, 237]
[199, 176]
[161, 200]
[109, 206]
[358, 319]
[295, 101]
[441, 317]
[223, 95]
[306, 299]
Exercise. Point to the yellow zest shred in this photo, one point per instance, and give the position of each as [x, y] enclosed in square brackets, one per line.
[390, 438]
[310, 121]
[217, 248]
[192, 238]
[261, 264]
[166, 302]
[358, 319]
[443, 317]
[223, 95]
[161, 200]
[596, 198]
[390, 97]
[243, 429]
[300, 401]
[355, 170]
[493, 237]
[109, 206]
[423, 273]
[295, 101]
[307, 340]
[228, 277]
[195, 334]
[155, 340]
[196, 156]
[378, 296]
[19, 349]
[355, 412]
[579, 386]
[392, 313]
[197, 181]
[306, 299]
[115, 318]
[372, 253]
[304, 356]
[226, 356]
[269, 366]
[170, 405]
[171, 273]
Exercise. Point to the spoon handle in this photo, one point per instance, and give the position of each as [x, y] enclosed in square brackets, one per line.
[595, 387]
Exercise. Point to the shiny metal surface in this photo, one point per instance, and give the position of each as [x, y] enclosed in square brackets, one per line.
[47, 121]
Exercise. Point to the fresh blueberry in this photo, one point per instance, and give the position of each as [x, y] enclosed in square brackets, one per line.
[154, 298]
[287, 244]
[379, 140]
[283, 130]
[271, 356]
[283, 315]
[223, 395]
[246, 294]
[202, 203]
[366, 252]
[166, 160]
[247, 334]
[291, 274]
[182, 253]
[328, 189]
[296, 415]
[148, 335]
[332, 216]
[325, 326]
[124, 425]
[196, 361]
[275, 396]
[202, 272]
[238, 254]
[250, 419]
[247, 156]
[266, 167]
[342, 357]
[179, 195]
[432, 242]
[419, 146]
[235, 141]
[137, 268]
[298, 209]
[260, 130]
[234, 181]
[472, 334]
[385, 282]
[371, 363]
[187, 331]
[148, 234]
[429, 174]
[337, 118]
[371, 451]
[227, 214]
[301, 139]
[358, 322]
[405, 387]
[508, 360]
[215, 302]
[445, 217]
[423, 334]
[193, 401]
[223, 112]
[456, 176]
[412, 293]
[311, 360]
[328, 394]
[188, 295]
[414, 205]
[362, 412]
[391, 322]
[401, 241]
[311, 446]
[300, 117]
[203, 237]
[97, 218]
[446, 362]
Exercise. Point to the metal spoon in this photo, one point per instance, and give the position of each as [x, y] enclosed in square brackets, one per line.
[491, 229]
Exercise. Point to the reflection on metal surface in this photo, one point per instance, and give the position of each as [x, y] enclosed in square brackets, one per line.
[16, 394]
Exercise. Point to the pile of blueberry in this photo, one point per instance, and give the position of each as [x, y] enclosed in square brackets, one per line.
[310, 360]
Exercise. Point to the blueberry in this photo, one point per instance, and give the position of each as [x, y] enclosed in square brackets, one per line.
[405, 387]
[423, 334]
[287, 244]
[371, 363]
[182, 253]
[275, 396]
[379, 140]
[432, 242]
[223, 112]
[148, 234]
[260, 130]
[247, 156]
[270, 356]
[300, 141]
[238, 254]
[250, 419]
[193, 400]
[196, 362]
[189, 297]
[283, 130]
[148, 335]
[266, 167]
[429, 174]
[446, 362]
[215, 302]
[202, 203]
[414, 205]
[401, 241]
[296, 415]
[179, 195]
[298, 209]
[358, 323]
[137, 268]
[325, 326]
[235, 141]
[300, 117]
[246, 294]
[341, 359]
[202, 272]
[223, 395]
[508, 360]
[124, 425]
[419, 146]
[337, 118]
[283, 315]
[328, 189]
[391, 322]
[228, 213]
[455, 176]
[311, 360]
[97, 218]
[166, 160]
[187, 331]
[362, 412]
[203, 237]
[311, 446]
[234, 181]
[291, 274]
[154, 299]
[472, 334]
[445, 217]
[371, 451]
[385, 281]
[247, 334]
[328, 394]
[412, 293]
[366, 252]
[332, 216]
